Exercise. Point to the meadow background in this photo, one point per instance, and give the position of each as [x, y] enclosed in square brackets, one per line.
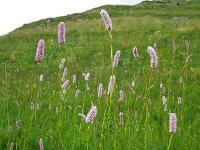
[87, 49]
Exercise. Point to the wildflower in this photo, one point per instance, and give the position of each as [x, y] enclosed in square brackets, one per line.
[41, 77]
[74, 79]
[135, 52]
[121, 118]
[187, 46]
[126, 44]
[100, 90]
[86, 76]
[91, 115]
[179, 100]
[172, 122]
[116, 59]
[61, 66]
[133, 84]
[161, 85]
[188, 58]
[40, 51]
[121, 95]
[65, 84]
[64, 74]
[111, 84]
[41, 144]
[61, 33]
[106, 19]
[154, 58]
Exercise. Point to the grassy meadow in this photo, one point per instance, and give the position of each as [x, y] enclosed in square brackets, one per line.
[54, 117]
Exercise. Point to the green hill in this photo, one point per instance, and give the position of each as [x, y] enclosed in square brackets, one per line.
[54, 117]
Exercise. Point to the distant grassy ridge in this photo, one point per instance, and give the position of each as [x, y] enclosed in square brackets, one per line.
[190, 10]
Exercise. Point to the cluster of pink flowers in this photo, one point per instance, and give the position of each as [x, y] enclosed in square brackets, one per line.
[65, 84]
[40, 51]
[111, 84]
[135, 52]
[91, 115]
[116, 58]
[121, 118]
[121, 95]
[153, 55]
[106, 19]
[61, 33]
[172, 122]
[41, 144]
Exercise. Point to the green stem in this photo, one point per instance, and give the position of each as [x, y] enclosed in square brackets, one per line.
[170, 141]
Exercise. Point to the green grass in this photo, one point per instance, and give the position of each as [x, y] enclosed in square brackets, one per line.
[87, 49]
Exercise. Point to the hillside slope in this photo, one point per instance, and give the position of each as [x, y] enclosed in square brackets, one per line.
[32, 109]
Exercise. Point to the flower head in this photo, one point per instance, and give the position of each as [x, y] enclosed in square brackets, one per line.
[65, 84]
[116, 58]
[40, 51]
[91, 115]
[172, 122]
[41, 144]
[74, 79]
[121, 118]
[121, 95]
[106, 19]
[153, 55]
[61, 66]
[135, 52]
[64, 74]
[41, 77]
[111, 84]
[100, 90]
[61, 33]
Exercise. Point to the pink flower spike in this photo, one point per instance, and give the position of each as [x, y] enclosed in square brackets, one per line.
[172, 122]
[41, 144]
[116, 58]
[40, 51]
[153, 55]
[106, 19]
[135, 52]
[61, 33]
[121, 95]
[121, 119]
[91, 115]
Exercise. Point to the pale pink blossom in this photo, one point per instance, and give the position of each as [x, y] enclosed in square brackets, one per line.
[61, 33]
[172, 122]
[40, 51]
[116, 58]
[41, 144]
[106, 19]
